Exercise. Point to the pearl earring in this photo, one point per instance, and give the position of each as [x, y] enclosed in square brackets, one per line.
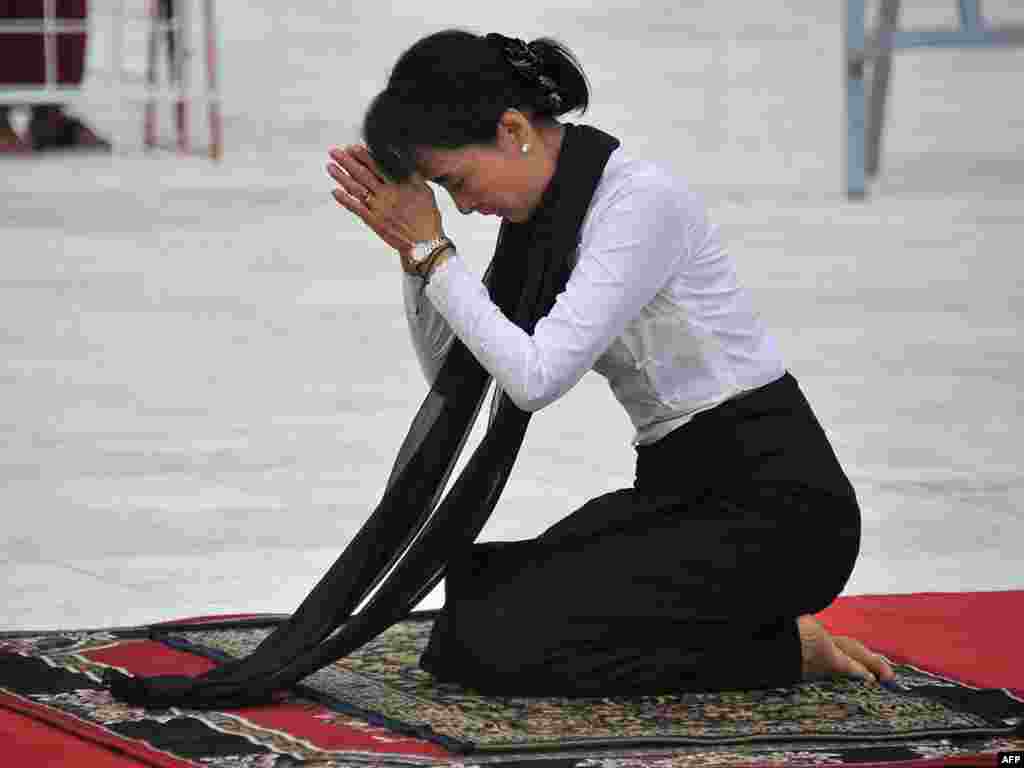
[526, 148]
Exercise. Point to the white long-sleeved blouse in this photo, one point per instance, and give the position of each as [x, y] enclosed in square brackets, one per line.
[653, 304]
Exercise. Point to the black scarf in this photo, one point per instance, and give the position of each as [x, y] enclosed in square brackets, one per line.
[531, 266]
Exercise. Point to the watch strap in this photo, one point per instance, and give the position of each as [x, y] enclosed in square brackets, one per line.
[430, 249]
[427, 268]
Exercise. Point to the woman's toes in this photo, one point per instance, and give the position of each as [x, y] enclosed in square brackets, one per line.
[857, 650]
[847, 665]
[822, 657]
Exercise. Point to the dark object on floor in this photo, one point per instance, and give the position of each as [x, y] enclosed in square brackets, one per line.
[10, 142]
[52, 129]
[14, 145]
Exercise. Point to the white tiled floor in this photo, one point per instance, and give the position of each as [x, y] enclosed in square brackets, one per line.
[206, 373]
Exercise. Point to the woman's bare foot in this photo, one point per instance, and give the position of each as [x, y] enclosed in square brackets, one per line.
[827, 656]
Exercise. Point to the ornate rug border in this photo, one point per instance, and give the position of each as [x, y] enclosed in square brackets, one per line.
[325, 699]
[466, 747]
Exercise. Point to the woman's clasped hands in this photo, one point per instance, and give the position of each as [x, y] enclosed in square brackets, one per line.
[400, 214]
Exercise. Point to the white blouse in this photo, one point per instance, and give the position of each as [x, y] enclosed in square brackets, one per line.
[653, 304]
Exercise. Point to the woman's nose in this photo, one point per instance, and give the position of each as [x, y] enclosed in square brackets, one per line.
[463, 205]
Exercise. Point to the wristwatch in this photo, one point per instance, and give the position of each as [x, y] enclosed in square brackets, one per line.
[422, 252]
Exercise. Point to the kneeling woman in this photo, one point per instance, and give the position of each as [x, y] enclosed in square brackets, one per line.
[741, 522]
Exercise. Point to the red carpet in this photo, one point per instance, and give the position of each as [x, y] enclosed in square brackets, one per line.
[30, 743]
[973, 638]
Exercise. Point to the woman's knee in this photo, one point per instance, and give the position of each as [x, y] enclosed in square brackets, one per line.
[493, 644]
[837, 558]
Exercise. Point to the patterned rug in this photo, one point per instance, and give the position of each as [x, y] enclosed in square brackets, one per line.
[382, 679]
[377, 708]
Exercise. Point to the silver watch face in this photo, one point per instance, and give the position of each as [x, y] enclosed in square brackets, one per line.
[421, 251]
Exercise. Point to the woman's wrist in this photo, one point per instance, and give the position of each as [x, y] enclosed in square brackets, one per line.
[439, 258]
[422, 269]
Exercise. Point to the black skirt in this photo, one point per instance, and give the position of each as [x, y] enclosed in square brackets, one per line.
[738, 522]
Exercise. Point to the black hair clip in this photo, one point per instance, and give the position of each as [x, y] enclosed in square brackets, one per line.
[527, 62]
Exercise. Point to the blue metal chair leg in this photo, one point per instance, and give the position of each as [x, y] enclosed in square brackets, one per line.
[863, 148]
[888, 19]
[970, 15]
[854, 78]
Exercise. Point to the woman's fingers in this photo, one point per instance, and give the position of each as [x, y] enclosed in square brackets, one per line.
[381, 228]
[356, 174]
[349, 184]
[355, 164]
[362, 154]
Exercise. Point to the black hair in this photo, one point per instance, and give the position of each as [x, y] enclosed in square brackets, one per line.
[450, 89]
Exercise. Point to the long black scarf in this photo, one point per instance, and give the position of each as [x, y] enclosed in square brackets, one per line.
[531, 266]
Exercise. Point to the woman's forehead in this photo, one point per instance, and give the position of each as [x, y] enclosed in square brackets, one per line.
[436, 163]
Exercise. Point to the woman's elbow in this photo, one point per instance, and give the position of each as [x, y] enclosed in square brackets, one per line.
[531, 403]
